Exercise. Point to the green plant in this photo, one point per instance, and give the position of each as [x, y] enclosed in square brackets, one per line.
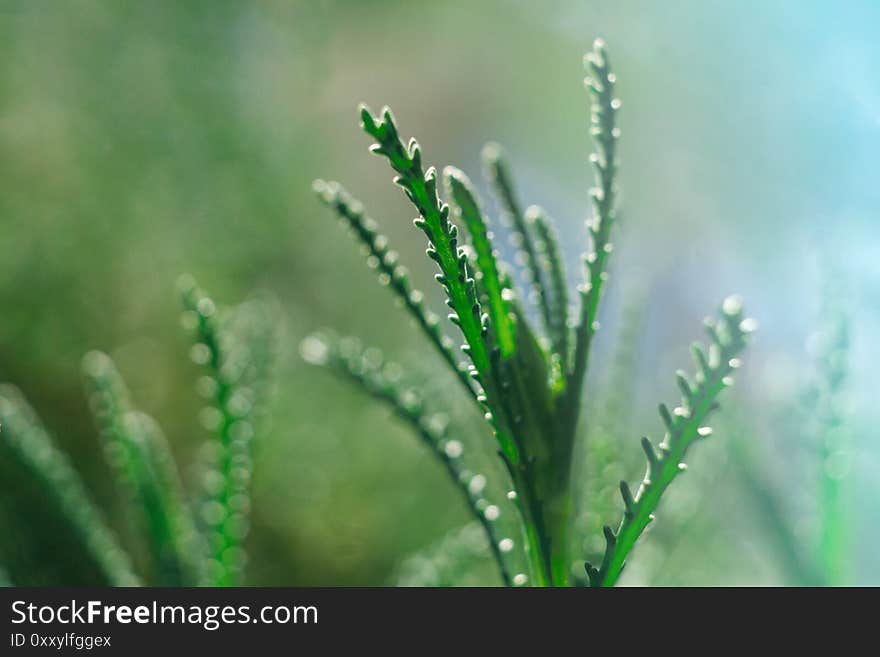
[183, 548]
[527, 383]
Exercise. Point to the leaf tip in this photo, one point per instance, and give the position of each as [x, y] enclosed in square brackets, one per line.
[492, 153]
[186, 284]
[94, 362]
[732, 306]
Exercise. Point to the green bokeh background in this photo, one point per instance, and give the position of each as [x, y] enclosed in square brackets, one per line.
[142, 140]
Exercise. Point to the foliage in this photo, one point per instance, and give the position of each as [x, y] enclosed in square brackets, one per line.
[139, 455]
[31, 453]
[528, 383]
[183, 550]
[684, 426]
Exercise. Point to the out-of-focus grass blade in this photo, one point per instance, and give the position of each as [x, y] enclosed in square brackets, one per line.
[29, 448]
[139, 454]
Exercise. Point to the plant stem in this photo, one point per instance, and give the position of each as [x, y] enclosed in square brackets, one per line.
[530, 512]
[559, 511]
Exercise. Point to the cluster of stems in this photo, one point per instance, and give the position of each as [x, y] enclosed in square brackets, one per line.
[527, 381]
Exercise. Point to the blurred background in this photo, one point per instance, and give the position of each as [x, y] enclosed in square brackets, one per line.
[139, 141]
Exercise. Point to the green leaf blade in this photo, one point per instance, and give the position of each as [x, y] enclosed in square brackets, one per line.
[468, 211]
[604, 107]
[143, 463]
[26, 441]
[230, 377]
[685, 426]
[421, 188]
